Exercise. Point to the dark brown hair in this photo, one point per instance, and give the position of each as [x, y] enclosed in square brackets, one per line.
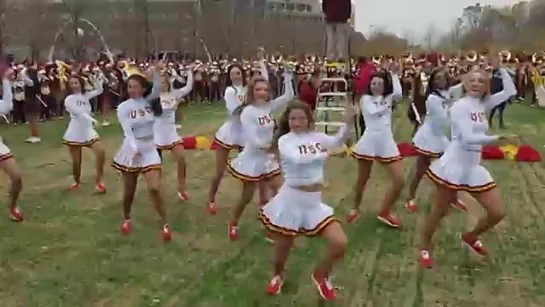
[283, 124]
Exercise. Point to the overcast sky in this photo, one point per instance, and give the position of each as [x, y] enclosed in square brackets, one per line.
[399, 16]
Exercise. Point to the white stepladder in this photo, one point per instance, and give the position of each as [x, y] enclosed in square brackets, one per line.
[330, 106]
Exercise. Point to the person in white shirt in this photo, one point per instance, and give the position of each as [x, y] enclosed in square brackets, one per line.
[256, 163]
[378, 144]
[138, 153]
[430, 141]
[230, 135]
[297, 209]
[165, 134]
[80, 132]
[7, 160]
[459, 167]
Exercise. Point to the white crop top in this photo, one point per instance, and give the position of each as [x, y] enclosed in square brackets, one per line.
[377, 110]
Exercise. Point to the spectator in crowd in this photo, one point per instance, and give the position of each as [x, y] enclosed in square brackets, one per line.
[308, 90]
[337, 13]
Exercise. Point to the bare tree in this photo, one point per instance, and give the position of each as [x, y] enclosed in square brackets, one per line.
[431, 36]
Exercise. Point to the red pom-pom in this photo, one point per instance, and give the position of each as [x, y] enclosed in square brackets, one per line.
[406, 150]
[492, 152]
[189, 142]
[527, 153]
[214, 145]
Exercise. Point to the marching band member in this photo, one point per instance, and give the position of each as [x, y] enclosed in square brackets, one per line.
[377, 143]
[7, 161]
[165, 134]
[80, 132]
[459, 168]
[138, 153]
[255, 163]
[297, 209]
[230, 135]
[430, 141]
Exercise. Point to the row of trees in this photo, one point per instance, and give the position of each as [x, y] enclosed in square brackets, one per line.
[138, 27]
[518, 27]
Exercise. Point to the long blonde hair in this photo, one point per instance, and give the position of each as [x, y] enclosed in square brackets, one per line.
[249, 94]
[467, 76]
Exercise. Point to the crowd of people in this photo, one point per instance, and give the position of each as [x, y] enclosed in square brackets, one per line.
[282, 157]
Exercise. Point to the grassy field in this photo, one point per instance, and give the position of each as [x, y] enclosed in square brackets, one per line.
[69, 251]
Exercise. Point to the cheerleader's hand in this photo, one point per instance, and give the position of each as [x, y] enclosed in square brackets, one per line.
[508, 139]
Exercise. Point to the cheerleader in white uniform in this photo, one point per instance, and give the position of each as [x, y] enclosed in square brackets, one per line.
[165, 134]
[7, 161]
[230, 135]
[377, 143]
[459, 168]
[138, 153]
[256, 162]
[80, 132]
[297, 209]
[430, 140]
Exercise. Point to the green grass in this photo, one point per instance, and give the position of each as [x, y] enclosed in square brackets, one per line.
[69, 251]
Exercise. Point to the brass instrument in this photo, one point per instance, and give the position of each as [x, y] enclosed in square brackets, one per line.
[472, 56]
[537, 58]
[505, 56]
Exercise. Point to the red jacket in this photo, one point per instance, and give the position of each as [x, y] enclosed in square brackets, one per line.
[308, 94]
[361, 82]
[337, 10]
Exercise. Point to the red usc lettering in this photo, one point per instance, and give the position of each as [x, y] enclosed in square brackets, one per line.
[312, 149]
[264, 120]
[477, 117]
[140, 112]
[80, 103]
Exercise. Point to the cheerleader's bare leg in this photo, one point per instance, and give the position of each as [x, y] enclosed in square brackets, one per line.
[9, 166]
[264, 192]
[398, 182]
[153, 181]
[492, 204]
[100, 155]
[335, 251]
[75, 155]
[282, 247]
[441, 198]
[222, 156]
[181, 169]
[422, 164]
[248, 189]
[130, 181]
[364, 171]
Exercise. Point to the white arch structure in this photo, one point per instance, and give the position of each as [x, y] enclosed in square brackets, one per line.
[90, 24]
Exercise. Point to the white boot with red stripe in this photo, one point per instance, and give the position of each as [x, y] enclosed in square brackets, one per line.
[15, 214]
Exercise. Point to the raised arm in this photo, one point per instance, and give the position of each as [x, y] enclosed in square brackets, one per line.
[508, 91]
[263, 69]
[288, 95]
[155, 91]
[123, 116]
[397, 89]
[461, 122]
[98, 89]
[184, 91]
[291, 152]
[6, 104]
